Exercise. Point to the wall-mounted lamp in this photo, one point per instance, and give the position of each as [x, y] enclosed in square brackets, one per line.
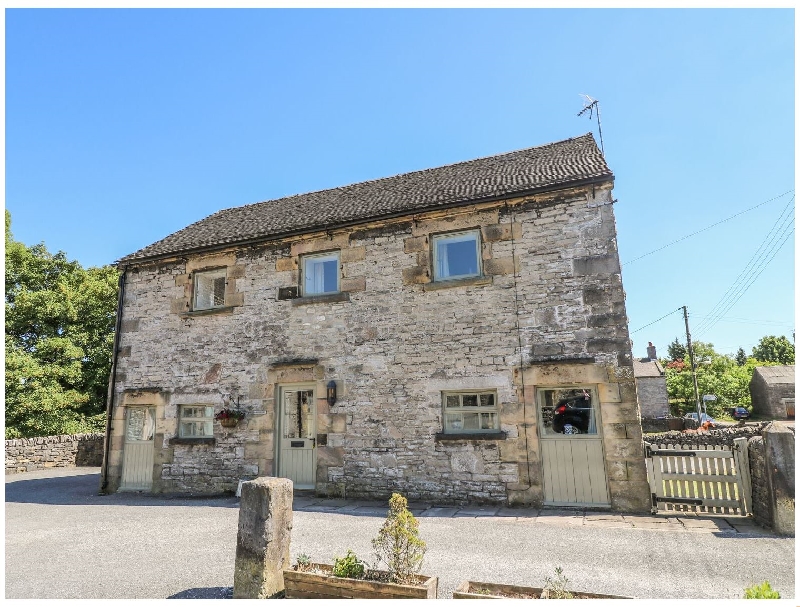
[331, 393]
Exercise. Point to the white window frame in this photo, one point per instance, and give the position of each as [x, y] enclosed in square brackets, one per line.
[328, 256]
[214, 274]
[207, 417]
[456, 236]
[451, 428]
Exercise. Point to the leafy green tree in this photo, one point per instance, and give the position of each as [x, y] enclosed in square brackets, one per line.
[774, 350]
[717, 374]
[676, 350]
[741, 357]
[59, 339]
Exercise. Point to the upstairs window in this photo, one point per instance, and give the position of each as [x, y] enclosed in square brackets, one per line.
[209, 289]
[456, 256]
[470, 412]
[321, 274]
[197, 421]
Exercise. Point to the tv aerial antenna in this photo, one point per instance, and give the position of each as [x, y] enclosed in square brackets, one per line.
[589, 106]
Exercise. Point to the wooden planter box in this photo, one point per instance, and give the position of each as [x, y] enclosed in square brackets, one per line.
[308, 585]
[485, 590]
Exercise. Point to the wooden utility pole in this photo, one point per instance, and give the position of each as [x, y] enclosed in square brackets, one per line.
[692, 363]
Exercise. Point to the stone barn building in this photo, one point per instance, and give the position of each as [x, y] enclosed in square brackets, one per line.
[457, 334]
[651, 385]
[772, 391]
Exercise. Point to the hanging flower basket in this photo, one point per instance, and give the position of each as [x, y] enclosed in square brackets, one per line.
[228, 418]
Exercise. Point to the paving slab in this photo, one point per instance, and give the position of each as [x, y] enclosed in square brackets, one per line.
[439, 511]
[654, 522]
[303, 502]
[359, 504]
[366, 510]
[705, 524]
[518, 513]
[478, 511]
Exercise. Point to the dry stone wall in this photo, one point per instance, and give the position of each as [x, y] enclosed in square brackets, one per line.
[393, 341]
[759, 481]
[63, 451]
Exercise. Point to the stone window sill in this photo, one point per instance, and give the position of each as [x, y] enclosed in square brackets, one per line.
[463, 282]
[193, 441]
[219, 310]
[450, 436]
[329, 298]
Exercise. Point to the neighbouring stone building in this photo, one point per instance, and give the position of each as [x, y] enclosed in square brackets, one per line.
[651, 385]
[772, 391]
[457, 334]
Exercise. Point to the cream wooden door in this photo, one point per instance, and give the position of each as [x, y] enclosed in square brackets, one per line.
[137, 458]
[297, 435]
[573, 466]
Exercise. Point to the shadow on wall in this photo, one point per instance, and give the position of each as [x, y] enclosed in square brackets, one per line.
[81, 488]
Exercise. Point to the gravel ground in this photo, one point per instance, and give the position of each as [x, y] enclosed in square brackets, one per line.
[64, 541]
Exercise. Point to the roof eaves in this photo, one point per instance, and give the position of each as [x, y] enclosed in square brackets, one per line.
[131, 260]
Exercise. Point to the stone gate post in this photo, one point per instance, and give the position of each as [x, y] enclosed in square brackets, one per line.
[262, 543]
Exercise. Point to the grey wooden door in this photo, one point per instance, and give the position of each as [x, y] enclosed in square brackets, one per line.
[296, 437]
[137, 458]
[573, 469]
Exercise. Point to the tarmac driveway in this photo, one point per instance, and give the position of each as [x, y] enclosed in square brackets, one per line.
[65, 541]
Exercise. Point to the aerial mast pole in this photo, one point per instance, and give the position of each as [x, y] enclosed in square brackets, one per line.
[589, 106]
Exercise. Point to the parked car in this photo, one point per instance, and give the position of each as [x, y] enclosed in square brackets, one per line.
[704, 418]
[571, 415]
[740, 413]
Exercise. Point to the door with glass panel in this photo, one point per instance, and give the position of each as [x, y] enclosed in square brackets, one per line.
[573, 468]
[137, 456]
[296, 435]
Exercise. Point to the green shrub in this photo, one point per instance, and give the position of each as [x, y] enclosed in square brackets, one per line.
[303, 562]
[398, 544]
[761, 591]
[348, 566]
[556, 588]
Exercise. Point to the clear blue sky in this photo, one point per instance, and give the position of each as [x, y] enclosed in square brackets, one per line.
[123, 126]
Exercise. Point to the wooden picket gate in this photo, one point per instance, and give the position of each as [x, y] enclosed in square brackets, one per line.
[712, 479]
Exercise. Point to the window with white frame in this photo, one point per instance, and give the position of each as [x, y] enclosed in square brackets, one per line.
[470, 412]
[321, 274]
[456, 255]
[196, 421]
[209, 289]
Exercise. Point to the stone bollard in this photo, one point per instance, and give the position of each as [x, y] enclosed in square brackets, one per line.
[779, 455]
[262, 544]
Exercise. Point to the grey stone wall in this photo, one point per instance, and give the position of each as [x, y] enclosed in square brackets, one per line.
[723, 436]
[758, 479]
[766, 398]
[652, 393]
[63, 451]
[393, 341]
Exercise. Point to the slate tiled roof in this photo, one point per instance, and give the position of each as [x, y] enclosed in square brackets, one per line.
[779, 374]
[544, 167]
[647, 368]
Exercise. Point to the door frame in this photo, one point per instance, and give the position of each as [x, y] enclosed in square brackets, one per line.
[127, 418]
[280, 420]
[598, 438]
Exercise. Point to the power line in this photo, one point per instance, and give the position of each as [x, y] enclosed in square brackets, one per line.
[776, 237]
[706, 228]
[657, 320]
[744, 288]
